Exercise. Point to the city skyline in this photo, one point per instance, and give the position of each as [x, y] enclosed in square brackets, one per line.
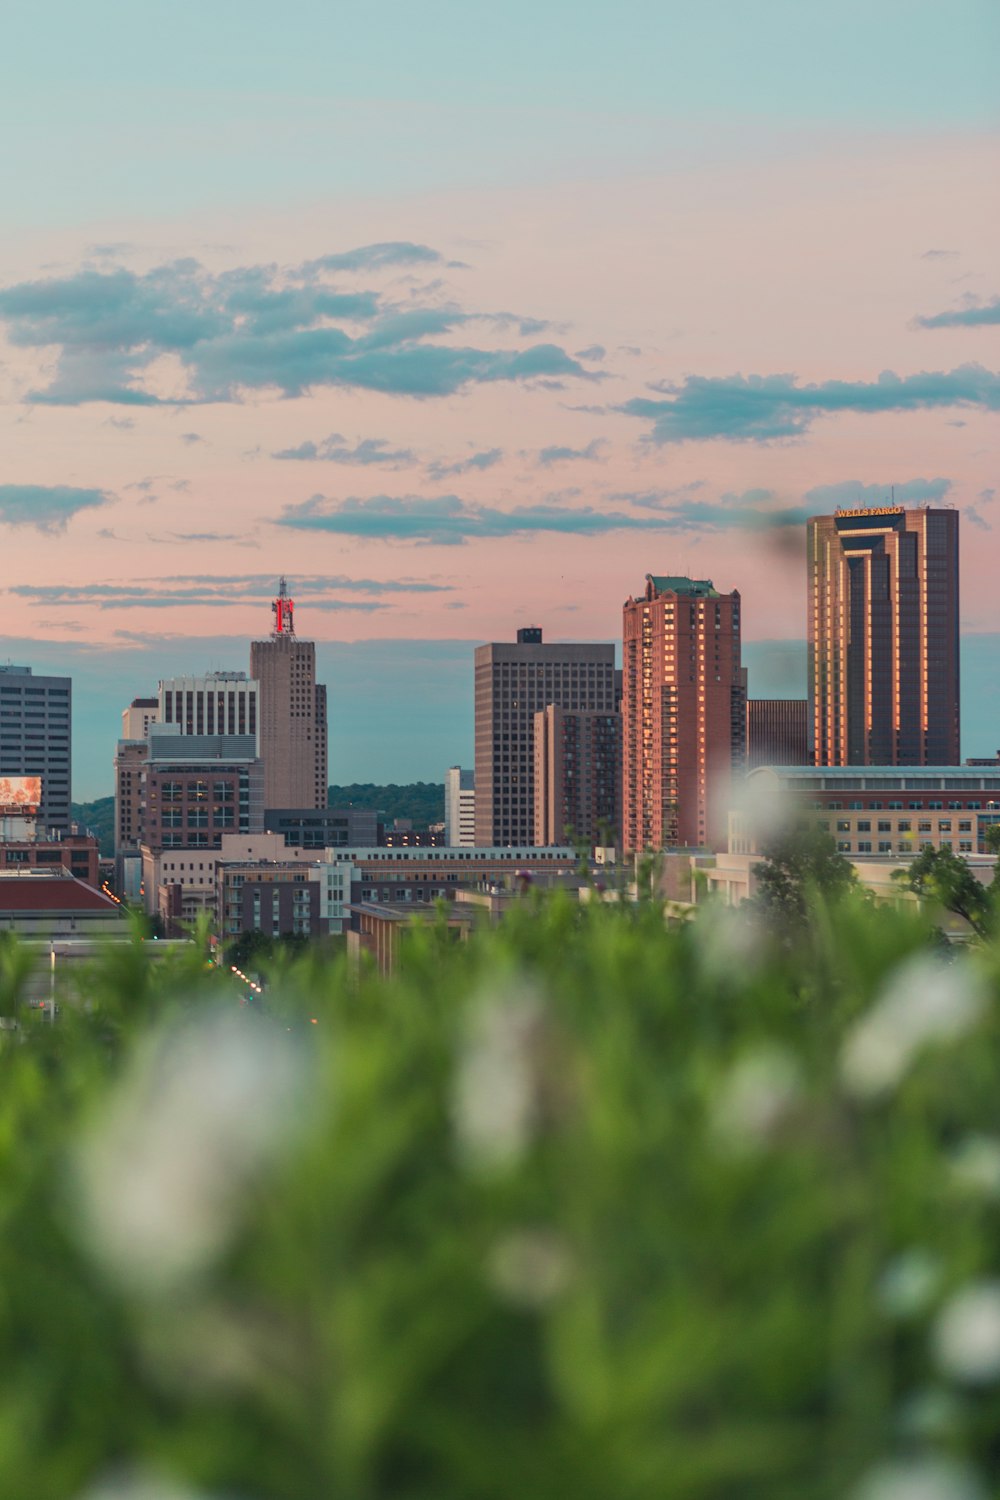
[473, 337]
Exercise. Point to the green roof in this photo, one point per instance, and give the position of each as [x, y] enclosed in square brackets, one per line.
[700, 587]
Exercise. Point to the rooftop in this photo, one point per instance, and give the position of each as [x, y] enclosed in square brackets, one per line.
[699, 588]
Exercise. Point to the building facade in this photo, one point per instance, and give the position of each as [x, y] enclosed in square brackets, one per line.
[217, 703]
[512, 683]
[777, 732]
[884, 637]
[36, 738]
[323, 828]
[683, 713]
[140, 714]
[292, 714]
[459, 807]
[578, 777]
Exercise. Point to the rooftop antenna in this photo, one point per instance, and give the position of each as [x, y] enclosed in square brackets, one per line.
[283, 609]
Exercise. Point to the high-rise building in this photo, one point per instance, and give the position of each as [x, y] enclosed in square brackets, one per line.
[459, 807]
[883, 637]
[683, 713]
[578, 776]
[777, 732]
[513, 682]
[292, 713]
[137, 718]
[36, 738]
[216, 703]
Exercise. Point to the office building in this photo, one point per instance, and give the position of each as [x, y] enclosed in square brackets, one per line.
[459, 807]
[883, 637]
[777, 732]
[36, 738]
[216, 703]
[140, 714]
[292, 713]
[578, 775]
[323, 828]
[683, 713]
[512, 683]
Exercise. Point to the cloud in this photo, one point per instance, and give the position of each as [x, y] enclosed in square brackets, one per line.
[592, 352]
[593, 453]
[939, 255]
[851, 492]
[762, 408]
[188, 590]
[190, 438]
[259, 328]
[377, 257]
[46, 507]
[335, 450]
[447, 520]
[438, 469]
[972, 314]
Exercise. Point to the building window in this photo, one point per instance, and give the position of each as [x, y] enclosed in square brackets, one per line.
[885, 846]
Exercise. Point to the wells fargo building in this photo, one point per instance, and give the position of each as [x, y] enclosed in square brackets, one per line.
[883, 637]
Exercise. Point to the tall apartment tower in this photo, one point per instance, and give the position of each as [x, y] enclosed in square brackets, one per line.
[777, 732]
[36, 738]
[459, 807]
[883, 637]
[513, 682]
[683, 713]
[578, 777]
[292, 713]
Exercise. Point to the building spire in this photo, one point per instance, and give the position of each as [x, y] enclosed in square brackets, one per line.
[283, 609]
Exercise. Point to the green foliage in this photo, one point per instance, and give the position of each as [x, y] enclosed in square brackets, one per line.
[798, 865]
[421, 801]
[944, 878]
[97, 817]
[586, 1206]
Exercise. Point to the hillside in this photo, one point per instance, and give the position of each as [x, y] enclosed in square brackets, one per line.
[97, 817]
[422, 801]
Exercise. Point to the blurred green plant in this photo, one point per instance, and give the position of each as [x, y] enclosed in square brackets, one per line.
[586, 1206]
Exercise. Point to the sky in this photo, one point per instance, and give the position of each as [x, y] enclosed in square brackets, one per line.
[464, 321]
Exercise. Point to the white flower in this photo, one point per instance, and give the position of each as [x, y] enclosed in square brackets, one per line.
[975, 1165]
[932, 1478]
[755, 1097]
[925, 1001]
[142, 1486]
[529, 1267]
[908, 1283]
[161, 1174]
[495, 1101]
[967, 1334]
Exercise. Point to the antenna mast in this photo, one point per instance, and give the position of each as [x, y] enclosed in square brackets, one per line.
[283, 609]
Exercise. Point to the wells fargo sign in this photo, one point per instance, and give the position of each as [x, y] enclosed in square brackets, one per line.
[873, 510]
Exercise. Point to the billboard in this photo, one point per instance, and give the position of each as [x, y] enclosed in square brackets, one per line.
[20, 796]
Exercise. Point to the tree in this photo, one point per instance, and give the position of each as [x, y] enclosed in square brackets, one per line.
[799, 865]
[942, 876]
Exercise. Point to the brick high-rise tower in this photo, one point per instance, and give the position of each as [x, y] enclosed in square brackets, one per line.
[683, 713]
[292, 713]
[883, 637]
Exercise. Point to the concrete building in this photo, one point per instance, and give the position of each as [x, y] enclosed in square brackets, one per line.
[76, 854]
[49, 904]
[323, 828]
[459, 807]
[130, 761]
[36, 738]
[880, 810]
[884, 637]
[512, 683]
[292, 715]
[214, 704]
[777, 732]
[578, 777]
[683, 713]
[137, 718]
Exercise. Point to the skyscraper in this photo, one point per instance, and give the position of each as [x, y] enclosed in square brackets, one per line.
[578, 776]
[777, 732]
[459, 807]
[883, 637]
[292, 713]
[513, 682]
[36, 737]
[683, 713]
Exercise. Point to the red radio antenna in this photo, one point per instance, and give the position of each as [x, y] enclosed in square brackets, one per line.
[283, 609]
